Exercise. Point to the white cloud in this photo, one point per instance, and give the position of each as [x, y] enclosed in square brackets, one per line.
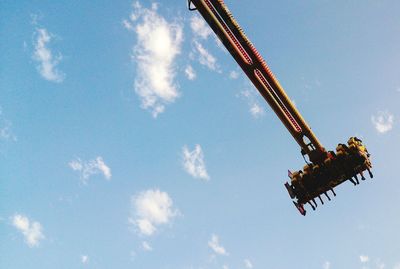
[364, 258]
[326, 265]
[84, 259]
[311, 84]
[234, 74]
[255, 109]
[380, 264]
[201, 32]
[32, 230]
[397, 266]
[225, 266]
[35, 18]
[127, 25]
[199, 27]
[152, 208]
[89, 168]
[146, 246]
[193, 162]
[383, 121]
[215, 245]
[158, 44]
[6, 132]
[248, 264]
[47, 66]
[190, 73]
[205, 57]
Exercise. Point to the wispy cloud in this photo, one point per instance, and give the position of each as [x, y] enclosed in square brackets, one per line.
[151, 209]
[201, 32]
[84, 259]
[6, 133]
[32, 230]
[311, 84]
[364, 258]
[47, 62]
[190, 73]
[375, 263]
[380, 264]
[234, 74]
[383, 121]
[89, 168]
[216, 246]
[199, 27]
[146, 246]
[193, 162]
[127, 24]
[158, 44]
[35, 18]
[326, 265]
[255, 109]
[248, 264]
[205, 57]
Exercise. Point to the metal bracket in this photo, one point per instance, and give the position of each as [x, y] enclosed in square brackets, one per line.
[304, 154]
[191, 6]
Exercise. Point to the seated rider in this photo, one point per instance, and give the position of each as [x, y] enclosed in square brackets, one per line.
[344, 162]
[297, 185]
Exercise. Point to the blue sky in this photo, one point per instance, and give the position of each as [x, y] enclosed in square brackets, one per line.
[129, 138]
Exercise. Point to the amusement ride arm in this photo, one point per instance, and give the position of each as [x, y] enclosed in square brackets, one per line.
[249, 59]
